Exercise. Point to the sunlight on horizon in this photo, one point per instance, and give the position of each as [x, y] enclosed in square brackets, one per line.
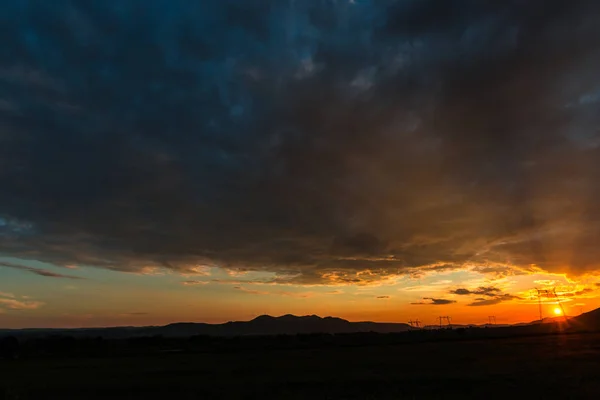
[558, 311]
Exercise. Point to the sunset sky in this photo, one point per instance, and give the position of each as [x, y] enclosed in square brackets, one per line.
[384, 160]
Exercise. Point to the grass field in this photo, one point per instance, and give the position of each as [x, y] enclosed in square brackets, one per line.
[550, 367]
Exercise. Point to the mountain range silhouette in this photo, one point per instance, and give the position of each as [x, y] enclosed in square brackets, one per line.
[261, 325]
[287, 325]
[283, 325]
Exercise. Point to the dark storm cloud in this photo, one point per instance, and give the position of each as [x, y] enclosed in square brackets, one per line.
[435, 302]
[37, 271]
[326, 141]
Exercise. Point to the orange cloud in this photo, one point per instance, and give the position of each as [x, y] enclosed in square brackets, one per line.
[193, 283]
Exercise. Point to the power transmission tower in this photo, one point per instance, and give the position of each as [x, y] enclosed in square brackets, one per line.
[559, 303]
[415, 324]
[492, 320]
[447, 319]
[540, 293]
[549, 294]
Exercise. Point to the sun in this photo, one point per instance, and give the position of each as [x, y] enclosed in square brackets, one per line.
[557, 311]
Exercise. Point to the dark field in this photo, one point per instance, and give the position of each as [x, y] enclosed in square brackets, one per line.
[551, 367]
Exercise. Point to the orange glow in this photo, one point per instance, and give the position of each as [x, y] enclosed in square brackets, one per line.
[557, 311]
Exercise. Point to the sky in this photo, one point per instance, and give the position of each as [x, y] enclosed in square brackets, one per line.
[169, 160]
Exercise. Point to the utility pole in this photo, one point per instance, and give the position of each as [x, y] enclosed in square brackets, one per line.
[492, 320]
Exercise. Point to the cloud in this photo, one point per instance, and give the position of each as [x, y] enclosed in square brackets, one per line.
[493, 295]
[236, 272]
[193, 283]
[11, 302]
[501, 271]
[337, 143]
[546, 282]
[577, 293]
[37, 271]
[435, 302]
[485, 302]
[482, 291]
[199, 270]
[493, 300]
[460, 291]
[251, 291]
[301, 295]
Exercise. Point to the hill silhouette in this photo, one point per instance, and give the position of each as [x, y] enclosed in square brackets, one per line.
[589, 321]
[286, 324]
[266, 325]
[261, 325]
